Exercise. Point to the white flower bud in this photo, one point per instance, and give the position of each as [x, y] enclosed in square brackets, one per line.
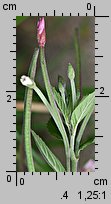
[26, 81]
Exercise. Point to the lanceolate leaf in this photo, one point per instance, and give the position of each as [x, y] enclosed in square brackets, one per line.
[53, 129]
[40, 163]
[47, 154]
[85, 144]
[83, 109]
[81, 131]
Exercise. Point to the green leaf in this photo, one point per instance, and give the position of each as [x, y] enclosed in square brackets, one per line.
[47, 154]
[53, 129]
[60, 104]
[40, 164]
[82, 109]
[85, 144]
[81, 131]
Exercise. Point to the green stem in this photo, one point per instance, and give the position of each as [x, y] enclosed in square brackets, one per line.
[73, 136]
[27, 114]
[73, 158]
[74, 162]
[54, 107]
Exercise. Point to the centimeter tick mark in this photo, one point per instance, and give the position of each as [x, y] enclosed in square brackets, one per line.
[98, 136]
[56, 176]
[102, 96]
[11, 91]
[98, 56]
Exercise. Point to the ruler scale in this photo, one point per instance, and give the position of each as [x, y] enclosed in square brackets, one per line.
[57, 187]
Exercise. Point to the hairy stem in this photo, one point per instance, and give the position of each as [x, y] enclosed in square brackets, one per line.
[54, 107]
[74, 160]
[27, 114]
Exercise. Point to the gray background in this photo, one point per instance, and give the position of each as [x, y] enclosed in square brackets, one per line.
[46, 188]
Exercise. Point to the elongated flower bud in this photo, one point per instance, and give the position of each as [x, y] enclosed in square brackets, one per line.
[26, 81]
[41, 34]
[71, 73]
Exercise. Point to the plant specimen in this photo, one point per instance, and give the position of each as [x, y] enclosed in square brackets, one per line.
[70, 112]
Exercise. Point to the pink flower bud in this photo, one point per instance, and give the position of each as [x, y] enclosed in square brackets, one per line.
[41, 35]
